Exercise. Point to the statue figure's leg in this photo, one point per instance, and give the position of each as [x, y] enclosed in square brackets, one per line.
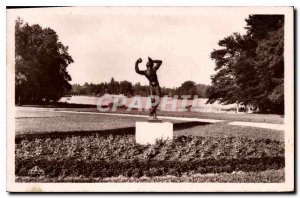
[151, 95]
[157, 94]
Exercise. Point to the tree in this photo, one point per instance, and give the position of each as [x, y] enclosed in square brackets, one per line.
[137, 89]
[250, 67]
[126, 88]
[187, 88]
[201, 90]
[112, 86]
[41, 63]
[270, 63]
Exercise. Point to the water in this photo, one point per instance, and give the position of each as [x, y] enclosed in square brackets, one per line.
[200, 103]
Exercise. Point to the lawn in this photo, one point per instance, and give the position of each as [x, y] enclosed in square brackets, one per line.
[72, 147]
[56, 124]
[245, 117]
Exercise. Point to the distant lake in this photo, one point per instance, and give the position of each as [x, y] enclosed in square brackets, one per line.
[200, 103]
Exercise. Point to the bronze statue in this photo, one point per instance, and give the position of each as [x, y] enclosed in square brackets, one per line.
[150, 74]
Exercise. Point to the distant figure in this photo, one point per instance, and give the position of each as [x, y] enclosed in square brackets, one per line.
[150, 74]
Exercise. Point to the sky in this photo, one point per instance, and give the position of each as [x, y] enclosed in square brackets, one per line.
[105, 42]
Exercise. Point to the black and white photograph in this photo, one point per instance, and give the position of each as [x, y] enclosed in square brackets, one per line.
[150, 99]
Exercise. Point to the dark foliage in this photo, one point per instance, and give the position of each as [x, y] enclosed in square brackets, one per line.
[41, 64]
[111, 156]
[128, 89]
[250, 67]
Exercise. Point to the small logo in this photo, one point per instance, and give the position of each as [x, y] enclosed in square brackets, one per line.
[36, 171]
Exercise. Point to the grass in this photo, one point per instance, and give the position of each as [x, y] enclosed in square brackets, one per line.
[246, 117]
[57, 124]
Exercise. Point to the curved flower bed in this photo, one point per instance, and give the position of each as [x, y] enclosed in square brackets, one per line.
[113, 156]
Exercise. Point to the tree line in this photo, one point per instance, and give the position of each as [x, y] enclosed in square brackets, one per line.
[129, 89]
[250, 67]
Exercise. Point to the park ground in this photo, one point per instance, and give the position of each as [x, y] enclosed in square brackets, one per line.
[79, 145]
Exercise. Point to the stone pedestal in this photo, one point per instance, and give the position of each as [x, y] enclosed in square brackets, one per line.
[149, 132]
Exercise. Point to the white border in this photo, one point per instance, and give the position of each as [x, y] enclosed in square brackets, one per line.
[173, 186]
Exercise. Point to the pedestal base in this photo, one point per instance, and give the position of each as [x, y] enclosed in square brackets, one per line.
[149, 132]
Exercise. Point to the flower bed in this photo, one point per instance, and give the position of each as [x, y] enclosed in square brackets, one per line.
[112, 156]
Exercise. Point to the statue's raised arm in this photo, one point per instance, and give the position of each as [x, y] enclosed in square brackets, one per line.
[137, 70]
[158, 64]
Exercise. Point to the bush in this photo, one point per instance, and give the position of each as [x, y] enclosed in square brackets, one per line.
[112, 156]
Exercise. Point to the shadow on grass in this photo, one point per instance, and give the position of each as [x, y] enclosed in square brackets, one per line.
[186, 125]
[117, 131]
[59, 105]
